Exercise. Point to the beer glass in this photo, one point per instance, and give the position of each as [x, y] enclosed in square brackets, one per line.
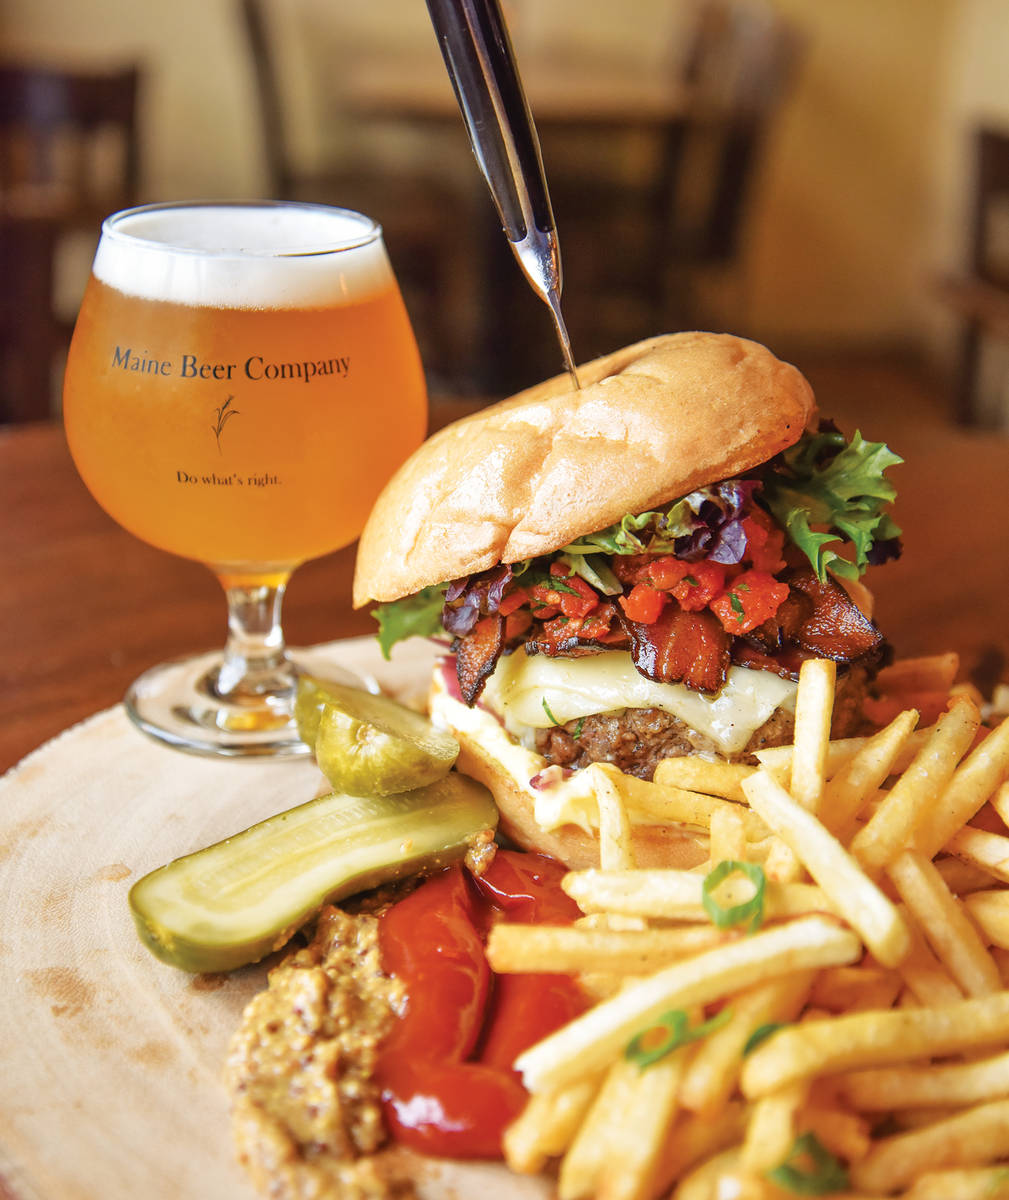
[242, 380]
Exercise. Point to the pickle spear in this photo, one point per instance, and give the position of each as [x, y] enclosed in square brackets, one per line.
[368, 743]
[236, 901]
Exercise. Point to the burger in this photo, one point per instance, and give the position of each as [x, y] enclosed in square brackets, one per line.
[632, 571]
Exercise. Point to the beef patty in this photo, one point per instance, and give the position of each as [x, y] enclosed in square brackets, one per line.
[637, 739]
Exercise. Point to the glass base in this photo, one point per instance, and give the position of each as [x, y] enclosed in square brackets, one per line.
[182, 704]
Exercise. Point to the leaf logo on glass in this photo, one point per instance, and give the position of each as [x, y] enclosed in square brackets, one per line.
[224, 413]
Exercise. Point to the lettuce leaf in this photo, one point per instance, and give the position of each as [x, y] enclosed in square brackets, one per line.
[703, 524]
[826, 492]
[418, 615]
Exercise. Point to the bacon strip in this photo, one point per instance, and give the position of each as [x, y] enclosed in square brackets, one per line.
[477, 654]
[819, 618]
[836, 628]
[681, 647]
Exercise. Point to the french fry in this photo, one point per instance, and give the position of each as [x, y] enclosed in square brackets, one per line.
[593, 1039]
[974, 1137]
[874, 1039]
[659, 804]
[852, 989]
[930, 673]
[863, 775]
[967, 1183]
[693, 1139]
[893, 824]
[703, 1180]
[615, 850]
[975, 780]
[515, 948]
[989, 851]
[972, 691]
[880, 710]
[990, 912]
[727, 838]
[695, 774]
[851, 893]
[772, 1128]
[845, 1134]
[1000, 803]
[583, 1161]
[946, 926]
[840, 751]
[607, 920]
[963, 877]
[929, 1086]
[678, 895]
[927, 979]
[713, 1071]
[814, 707]
[640, 1132]
[545, 1127]
[781, 864]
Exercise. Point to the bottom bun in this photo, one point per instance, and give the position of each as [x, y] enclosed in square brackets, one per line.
[482, 740]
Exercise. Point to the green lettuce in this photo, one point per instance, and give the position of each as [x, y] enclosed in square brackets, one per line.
[418, 615]
[825, 492]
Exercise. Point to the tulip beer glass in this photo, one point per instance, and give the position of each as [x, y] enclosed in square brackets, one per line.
[242, 380]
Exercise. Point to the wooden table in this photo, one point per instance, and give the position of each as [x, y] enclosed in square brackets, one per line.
[85, 607]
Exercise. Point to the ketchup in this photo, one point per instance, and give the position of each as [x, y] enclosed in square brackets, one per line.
[448, 1087]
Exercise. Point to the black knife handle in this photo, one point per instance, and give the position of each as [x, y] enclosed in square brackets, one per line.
[478, 54]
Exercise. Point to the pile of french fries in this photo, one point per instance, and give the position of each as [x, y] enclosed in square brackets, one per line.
[822, 1008]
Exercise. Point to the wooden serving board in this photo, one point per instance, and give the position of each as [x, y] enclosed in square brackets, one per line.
[111, 1061]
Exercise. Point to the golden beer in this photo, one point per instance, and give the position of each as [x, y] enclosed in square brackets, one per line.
[245, 435]
[242, 381]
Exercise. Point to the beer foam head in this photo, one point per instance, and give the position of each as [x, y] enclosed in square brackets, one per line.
[255, 255]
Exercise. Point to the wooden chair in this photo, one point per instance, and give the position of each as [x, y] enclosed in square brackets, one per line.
[423, 217]
[980, 296]
[69, 155]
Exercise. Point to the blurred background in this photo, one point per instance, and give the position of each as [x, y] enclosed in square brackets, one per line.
[827, 178]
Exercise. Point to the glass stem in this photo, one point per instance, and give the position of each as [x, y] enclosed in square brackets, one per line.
[255, 658]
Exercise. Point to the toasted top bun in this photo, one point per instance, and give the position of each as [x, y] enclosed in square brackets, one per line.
[527, 476]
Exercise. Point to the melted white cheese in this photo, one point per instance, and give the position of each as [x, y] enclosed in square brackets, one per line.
[570, 801]
[523, 687]
[527, 680]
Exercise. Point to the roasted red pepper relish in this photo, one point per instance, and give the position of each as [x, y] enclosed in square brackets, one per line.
[445, 1069]
[742, 595]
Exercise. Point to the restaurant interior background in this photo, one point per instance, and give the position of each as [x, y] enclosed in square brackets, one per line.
[855, 215]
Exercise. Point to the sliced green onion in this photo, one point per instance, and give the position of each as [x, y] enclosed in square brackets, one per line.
[546, 709]
[810, 1170]
[675, 1026]
[761, 1034]
[577, 732]
[752, 911]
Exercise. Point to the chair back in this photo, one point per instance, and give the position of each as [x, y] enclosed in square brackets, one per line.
[73, 132]
[989, 229]
[268, 95]
[737, 70]
[69, 155]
